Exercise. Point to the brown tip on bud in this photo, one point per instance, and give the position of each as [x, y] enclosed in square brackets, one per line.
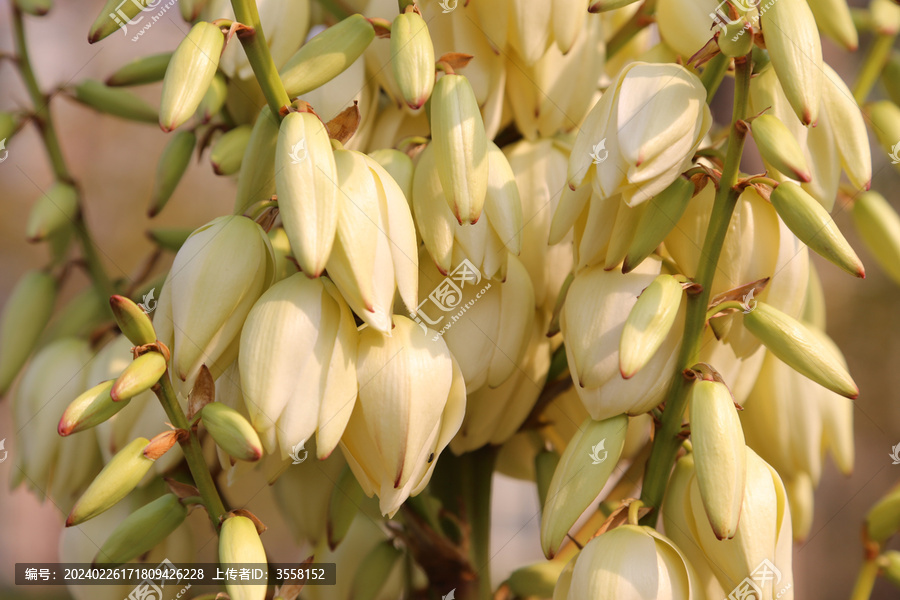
[216, 169]
[625, 375]
[868, 185]
[803, 176]
[861, 273]
[166, 129]
[93, 38]
[70, 520]
[63, 429]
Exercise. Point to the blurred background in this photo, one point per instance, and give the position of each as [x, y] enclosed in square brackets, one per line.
[115, 160]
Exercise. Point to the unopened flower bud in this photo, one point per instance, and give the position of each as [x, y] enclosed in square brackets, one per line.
[648, 324]
[851, 137]
[114, 482]
[27, 310]
[659, 218]
[142, 530]
[170, 238]
[834, 20]
[890, 565]
[190, 73]
[800, 348]
[115, 101]
[54, 211]
[213, 100]
[239, 544]
[883, 519]
[256, 181]
[132, 320]
[885, 17]
[141, 71]
[800, 492]
[412, 58]
[231, 431]
[795, 49]
[139, 376]
[374, 569]
[719, 455]
[812, 224]
[227, 152]
[306, 179]
[584, 468]
[878, 225]
[736, 39]
[885, 117]
[460, 146]
[327, 55]
[173, 162]
[89, 409]
[778, 147]
[37, 8]
[114, 15]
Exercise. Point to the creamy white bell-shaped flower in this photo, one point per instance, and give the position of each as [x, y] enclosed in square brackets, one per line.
[485, 243]
[630, 562]
[412, 400]
[298, 365]
[762, 541]
[686, 25]
[597, 304]
[642, 134]
[540, 170]
[485, 323]
[217, 276]
[375, 252]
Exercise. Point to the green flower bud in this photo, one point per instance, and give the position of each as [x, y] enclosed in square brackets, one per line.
[239, 544]
[139, 376]
[172, 164]
[648, 324]
[114, 101]
[132, 320]
[545, 464]
[460, 146]
[374, 570]
[537, 580]
[27, 310]
[88, 410]
[737, 39]
[834, 20]
[141, 71]
[800, 348]
[327, 55]
[890, 77]
[719, 455]
[232, 432]
[878, 225]
[584, 468]
[343, 507]
[795, 49]
[812, 224]
[778, 147]
[190, 73]
[81, 315]
[256, 181]
[191, 9]
[213, 100]
[885, 117]
[170, 238]
[227, 152]
[114, 15]
[412, 58]
[114, 482]
[37, 8]
[658, 219]
[306, 180]
[53, 212]
[883, 519]
[142, 530]
[885, 17]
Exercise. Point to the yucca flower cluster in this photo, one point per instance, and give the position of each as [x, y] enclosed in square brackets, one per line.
[466, 237]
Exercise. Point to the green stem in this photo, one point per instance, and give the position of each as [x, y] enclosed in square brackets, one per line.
[872, 66]
[193, 454]
[477, 474]
[44, 121]
[641, 19]
[254, 42]
[667, 442]
[862, 590]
